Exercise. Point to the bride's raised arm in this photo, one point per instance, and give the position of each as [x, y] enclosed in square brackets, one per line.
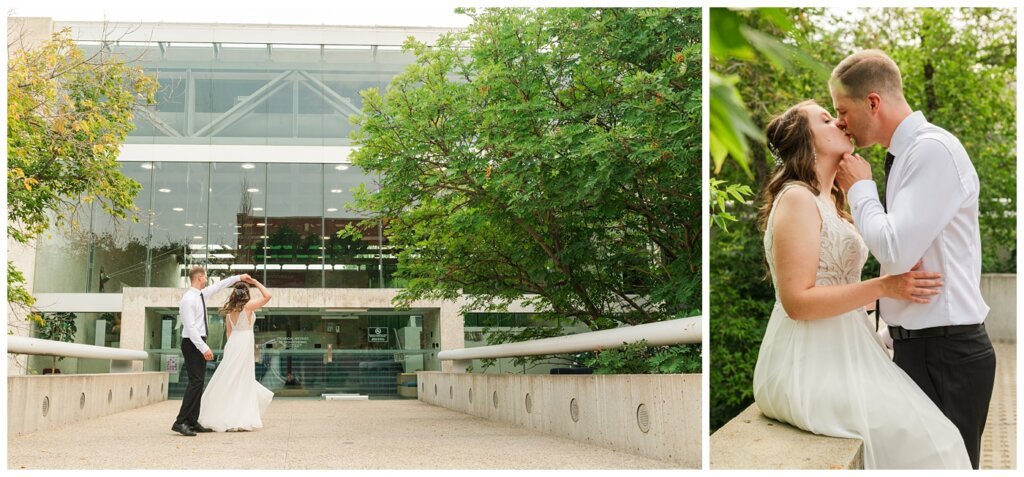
[265, 296]
[796, 226]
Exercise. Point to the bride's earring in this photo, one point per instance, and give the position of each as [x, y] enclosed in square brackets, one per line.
[814, 153]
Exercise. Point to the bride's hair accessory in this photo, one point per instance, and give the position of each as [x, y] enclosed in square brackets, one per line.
[240, 291]
[775, 155]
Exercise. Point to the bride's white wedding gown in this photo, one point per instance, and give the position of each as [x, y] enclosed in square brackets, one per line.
[833, 377]
[234, 400]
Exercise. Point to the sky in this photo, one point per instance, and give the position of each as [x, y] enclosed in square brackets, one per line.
[299, 12]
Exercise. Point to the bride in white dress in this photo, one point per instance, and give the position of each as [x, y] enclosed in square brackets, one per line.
[234, 400]
[822, 367]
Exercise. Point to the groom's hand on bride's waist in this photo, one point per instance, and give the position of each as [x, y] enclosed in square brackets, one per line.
[852, 169]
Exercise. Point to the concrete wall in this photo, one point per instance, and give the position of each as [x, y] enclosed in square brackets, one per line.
[753, 441]
[608, 408]
[1000, 293]
[78, 397]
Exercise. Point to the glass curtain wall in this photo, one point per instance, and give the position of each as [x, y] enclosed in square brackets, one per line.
[256, 93]
[277, 221]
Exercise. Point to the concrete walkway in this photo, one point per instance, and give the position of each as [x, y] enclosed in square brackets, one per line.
[309, 434]
[999, 442]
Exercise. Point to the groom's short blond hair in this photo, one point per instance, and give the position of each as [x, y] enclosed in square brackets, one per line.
[866, 72]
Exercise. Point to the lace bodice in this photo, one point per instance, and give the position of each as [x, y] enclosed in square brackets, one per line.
[842, 253]
[242, 321]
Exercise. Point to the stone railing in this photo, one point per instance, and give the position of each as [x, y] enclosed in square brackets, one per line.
[753, 441]
[656, 416]
[36, 403]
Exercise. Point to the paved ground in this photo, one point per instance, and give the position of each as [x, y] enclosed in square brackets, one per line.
[310, 434]
[999, 442]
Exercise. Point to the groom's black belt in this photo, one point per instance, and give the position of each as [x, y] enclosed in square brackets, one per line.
[900, 333]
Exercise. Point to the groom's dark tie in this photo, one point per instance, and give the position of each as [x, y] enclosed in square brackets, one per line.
[889, 159]
[205, 325]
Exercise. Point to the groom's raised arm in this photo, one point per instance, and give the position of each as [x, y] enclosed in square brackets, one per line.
[211, 290]
[927, 196]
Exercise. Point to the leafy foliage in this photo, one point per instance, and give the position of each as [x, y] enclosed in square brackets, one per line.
[548, 152]
[58, 326]
[958, 68]
[67, 115]
[639, 358]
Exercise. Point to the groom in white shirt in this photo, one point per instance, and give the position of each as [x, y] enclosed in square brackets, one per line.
[929, 213]
[194, 324]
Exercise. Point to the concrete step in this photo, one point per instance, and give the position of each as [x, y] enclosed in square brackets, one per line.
[344, 397]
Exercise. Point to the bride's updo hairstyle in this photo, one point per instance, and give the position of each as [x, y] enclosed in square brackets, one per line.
[237, 300]
[791, 143]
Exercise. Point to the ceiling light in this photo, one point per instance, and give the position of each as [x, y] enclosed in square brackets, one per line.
[147, 165]
[257, 209]
[178, 209]
[341, 167]
[165, 191]
[335, 191]
[332, 209]
[248, 166]
[189, 225]
[252, 189]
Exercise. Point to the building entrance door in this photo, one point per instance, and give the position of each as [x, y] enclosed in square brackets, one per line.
[309, 352]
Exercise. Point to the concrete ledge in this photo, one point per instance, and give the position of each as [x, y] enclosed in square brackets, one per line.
[655, 416]
[36, 403]
[753, 441]
[1000, 293]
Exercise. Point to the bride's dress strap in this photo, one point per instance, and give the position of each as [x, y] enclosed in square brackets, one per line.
[778, 196]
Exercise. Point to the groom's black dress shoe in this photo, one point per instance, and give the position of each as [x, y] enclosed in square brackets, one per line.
[199, 428]
[183, 429]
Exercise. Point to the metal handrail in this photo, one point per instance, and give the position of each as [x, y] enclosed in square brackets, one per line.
[670, 332]
[36, 346]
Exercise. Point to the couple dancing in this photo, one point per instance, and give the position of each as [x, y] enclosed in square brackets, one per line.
[822, 367]
[234, 400]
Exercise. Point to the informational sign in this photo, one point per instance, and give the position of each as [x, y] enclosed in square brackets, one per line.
[172, 364]
[378, 334]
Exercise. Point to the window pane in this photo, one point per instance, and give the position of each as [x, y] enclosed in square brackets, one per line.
[294, 250]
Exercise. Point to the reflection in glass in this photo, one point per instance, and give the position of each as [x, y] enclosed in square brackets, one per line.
[119, 246]
[180, 218]
[294, 250]
[237, 218]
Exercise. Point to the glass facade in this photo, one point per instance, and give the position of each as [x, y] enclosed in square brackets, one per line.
[276, 221]
[256, 93]
[99, 329]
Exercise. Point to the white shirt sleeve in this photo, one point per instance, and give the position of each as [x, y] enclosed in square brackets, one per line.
[187, 312]
[211, 290]
[927, 196]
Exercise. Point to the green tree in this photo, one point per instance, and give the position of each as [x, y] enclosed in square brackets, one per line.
[67, 115]
[549, 152]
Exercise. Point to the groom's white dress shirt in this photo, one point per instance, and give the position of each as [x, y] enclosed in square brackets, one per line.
[193, 326]
[932, 198]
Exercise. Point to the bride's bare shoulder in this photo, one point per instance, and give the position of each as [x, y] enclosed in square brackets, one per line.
[796, 194]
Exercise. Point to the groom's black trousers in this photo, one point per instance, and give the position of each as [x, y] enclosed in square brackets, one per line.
[195, 366]
[957, 372]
